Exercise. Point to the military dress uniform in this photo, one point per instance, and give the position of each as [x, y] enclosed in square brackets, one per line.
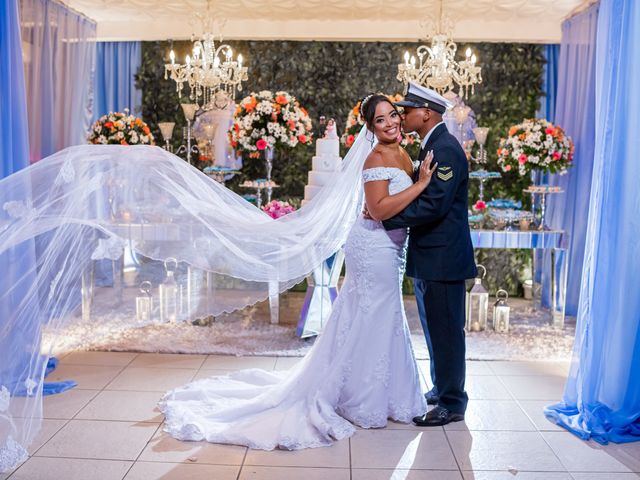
[440, 254]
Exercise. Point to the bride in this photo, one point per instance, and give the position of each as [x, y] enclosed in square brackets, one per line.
[362, 370]
[66, 218]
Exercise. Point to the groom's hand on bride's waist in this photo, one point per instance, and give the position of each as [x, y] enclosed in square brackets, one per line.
[365, 213]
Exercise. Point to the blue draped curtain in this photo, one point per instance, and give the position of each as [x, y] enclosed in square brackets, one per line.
[575, 113]
[58, 73]
[547, 110]
[549, 83]
[602, 396]
[115, 89]
[14, 134]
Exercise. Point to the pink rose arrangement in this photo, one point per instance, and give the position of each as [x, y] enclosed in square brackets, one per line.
[276, 209]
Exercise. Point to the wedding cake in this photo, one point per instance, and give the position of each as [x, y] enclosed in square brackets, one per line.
[325, 163]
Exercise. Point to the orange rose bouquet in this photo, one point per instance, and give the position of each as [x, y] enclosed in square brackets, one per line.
[118, 128]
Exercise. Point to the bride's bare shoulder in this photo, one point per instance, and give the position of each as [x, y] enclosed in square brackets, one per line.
[374, 159]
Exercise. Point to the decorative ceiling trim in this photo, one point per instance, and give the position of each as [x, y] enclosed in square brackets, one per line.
[370, 20]
[355, 30]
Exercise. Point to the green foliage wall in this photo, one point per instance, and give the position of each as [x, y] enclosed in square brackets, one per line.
[329, 77]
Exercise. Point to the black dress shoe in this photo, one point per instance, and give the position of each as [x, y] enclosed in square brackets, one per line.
[437, 417]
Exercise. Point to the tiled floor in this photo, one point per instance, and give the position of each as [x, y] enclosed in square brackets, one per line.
[109, 428]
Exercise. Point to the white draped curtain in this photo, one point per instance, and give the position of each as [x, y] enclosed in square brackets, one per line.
[59, 53]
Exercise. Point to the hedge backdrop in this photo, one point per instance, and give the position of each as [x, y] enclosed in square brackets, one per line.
[328, 78]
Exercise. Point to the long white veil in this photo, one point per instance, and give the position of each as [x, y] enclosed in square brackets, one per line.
[68, 219]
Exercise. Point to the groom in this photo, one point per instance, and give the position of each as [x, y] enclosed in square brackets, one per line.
[440, 255]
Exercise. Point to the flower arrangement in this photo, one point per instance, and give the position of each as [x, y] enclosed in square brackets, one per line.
[355, 123]
[535, 144]
[120, 128]
[276, 209]
[267, 120]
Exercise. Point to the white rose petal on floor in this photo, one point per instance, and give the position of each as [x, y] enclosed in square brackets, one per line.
[249, 332]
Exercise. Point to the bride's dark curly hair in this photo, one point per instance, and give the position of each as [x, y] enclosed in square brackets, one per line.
[368, 107]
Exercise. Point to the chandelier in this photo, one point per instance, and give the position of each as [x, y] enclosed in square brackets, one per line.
[211, 73]
[437, 67]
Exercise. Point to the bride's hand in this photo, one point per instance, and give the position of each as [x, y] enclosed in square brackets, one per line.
[426, 172]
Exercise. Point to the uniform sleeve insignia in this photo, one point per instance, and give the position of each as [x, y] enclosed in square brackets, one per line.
[444, 173]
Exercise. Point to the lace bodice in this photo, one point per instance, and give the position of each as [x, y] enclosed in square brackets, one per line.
[398, 178]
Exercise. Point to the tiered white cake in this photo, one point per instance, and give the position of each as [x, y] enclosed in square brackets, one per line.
[324, 164]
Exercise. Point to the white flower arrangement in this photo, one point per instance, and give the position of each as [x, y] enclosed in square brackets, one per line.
[535, 144]
[267, 120]
[120, 129]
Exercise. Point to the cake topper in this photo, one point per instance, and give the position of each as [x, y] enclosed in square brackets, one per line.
[331, 131]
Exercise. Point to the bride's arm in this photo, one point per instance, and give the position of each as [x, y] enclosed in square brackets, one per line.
[381, 205]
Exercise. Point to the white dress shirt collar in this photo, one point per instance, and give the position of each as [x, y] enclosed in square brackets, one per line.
[426, 137]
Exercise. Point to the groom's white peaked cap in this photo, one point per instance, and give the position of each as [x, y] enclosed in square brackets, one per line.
[418, 96]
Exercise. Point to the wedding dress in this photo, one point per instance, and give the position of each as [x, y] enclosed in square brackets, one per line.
[361, 371]
[70, 216]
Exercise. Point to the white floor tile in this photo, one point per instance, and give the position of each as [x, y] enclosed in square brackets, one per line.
[605, 476]
[557, 369]
[285, 363]
[90, 377]
[475, 367]
[44, 468]
[164, 448]
[516, 475]
[123, 406]
[144, 379]
[168, 360]
[493, 415]
[526, 451]
[230, 362]
[99, 440]
[399, 474]
[181, 471]
[588, 456]
[425, 449]
[484, 387]
[533, 387]
[67, 404]
[113, 359]
[48, 428]
[535, 410]
[250, 472]
[210, 373]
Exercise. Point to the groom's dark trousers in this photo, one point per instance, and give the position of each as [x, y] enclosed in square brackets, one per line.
[440, 258]
[419, 288]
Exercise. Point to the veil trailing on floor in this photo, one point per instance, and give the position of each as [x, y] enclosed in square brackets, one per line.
[132, 217]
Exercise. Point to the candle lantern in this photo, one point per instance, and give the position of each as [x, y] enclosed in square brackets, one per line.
[477, 305]
[169, 293]
[501, 312]
[144, 303]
